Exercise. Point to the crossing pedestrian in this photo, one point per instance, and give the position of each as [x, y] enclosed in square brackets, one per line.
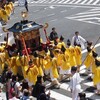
[78, 40]
[75, 83]
[26, 5]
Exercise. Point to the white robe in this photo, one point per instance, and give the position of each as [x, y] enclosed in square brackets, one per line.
[75, 86]
[79, 40]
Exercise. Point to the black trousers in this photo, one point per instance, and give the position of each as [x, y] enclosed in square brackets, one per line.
[26, 6]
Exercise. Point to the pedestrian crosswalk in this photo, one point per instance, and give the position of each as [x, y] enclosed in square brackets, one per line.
[87, 86]
[90, 16]
[64, 92]
[81, 2]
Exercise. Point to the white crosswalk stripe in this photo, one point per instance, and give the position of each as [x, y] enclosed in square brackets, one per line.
[90, 16]
[82, 2]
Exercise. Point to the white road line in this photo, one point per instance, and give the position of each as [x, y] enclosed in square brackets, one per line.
[42, 1]
[88, 22]
[76, 5]
[46, 1]
[52, 20]
[96, 2]
[58, 96]
[85, 16]
[90, 1]
[82, 19]
[84, 2]
[96, 9]
[89, 84]
[61, 1]
[77, 1]
[51, 1]
[36, 1]
[90, 12]
[56, 1]
[63, 11]
[72, 1]
[66, 1]
[51, 14]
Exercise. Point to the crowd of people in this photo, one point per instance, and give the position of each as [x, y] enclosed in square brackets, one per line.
[55, 61]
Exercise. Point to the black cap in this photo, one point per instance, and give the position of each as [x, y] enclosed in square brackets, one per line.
[94, 54]
[97, 62]
[74, 68]
[63, 49]
[88, 49]
[35, 54]
[61, 38]
[53, 28]
[68, 42]
[89, 43]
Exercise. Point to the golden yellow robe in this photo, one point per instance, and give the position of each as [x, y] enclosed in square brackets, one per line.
[78, 55]
[89, 59]
[72, 59]
[54, 68]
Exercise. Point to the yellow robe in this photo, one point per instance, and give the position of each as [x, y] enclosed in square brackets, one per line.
[4, 15]
[78, 55]
[89, 59]
[54, 68]
[65, 62]
[72, 59]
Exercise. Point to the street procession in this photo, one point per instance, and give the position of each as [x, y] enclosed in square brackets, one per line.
[30, 61]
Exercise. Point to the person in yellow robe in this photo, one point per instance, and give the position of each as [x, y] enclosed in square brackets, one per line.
[78, 55]
[54, 71]
[61, 43]
[89, 58]
[65, 67]
[96, 78]
[3, 15]
[71, 52]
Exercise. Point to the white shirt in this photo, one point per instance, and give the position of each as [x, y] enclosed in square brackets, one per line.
[75, 81]
[79, 40]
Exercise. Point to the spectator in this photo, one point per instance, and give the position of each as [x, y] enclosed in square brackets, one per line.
[53, 34]
[36, 88]
[14, 96]
[78, 40]
[26, 5]
[25, 95]
[25, 85]
[43, 95]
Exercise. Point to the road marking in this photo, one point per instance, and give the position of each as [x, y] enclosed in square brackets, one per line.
[52, 20]
[90, 2]
[66, 1]
[85, 16]
[84, 2]
[72, 1]
[50, 14]
[77, 5]
[90, 12]
[58, 96]
[77, 1]
[51, 1]
[63, 11]
[96, 2]
[61, 1]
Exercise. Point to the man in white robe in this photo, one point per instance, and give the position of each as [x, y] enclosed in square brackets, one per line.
[75, 83]
[78, 40]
